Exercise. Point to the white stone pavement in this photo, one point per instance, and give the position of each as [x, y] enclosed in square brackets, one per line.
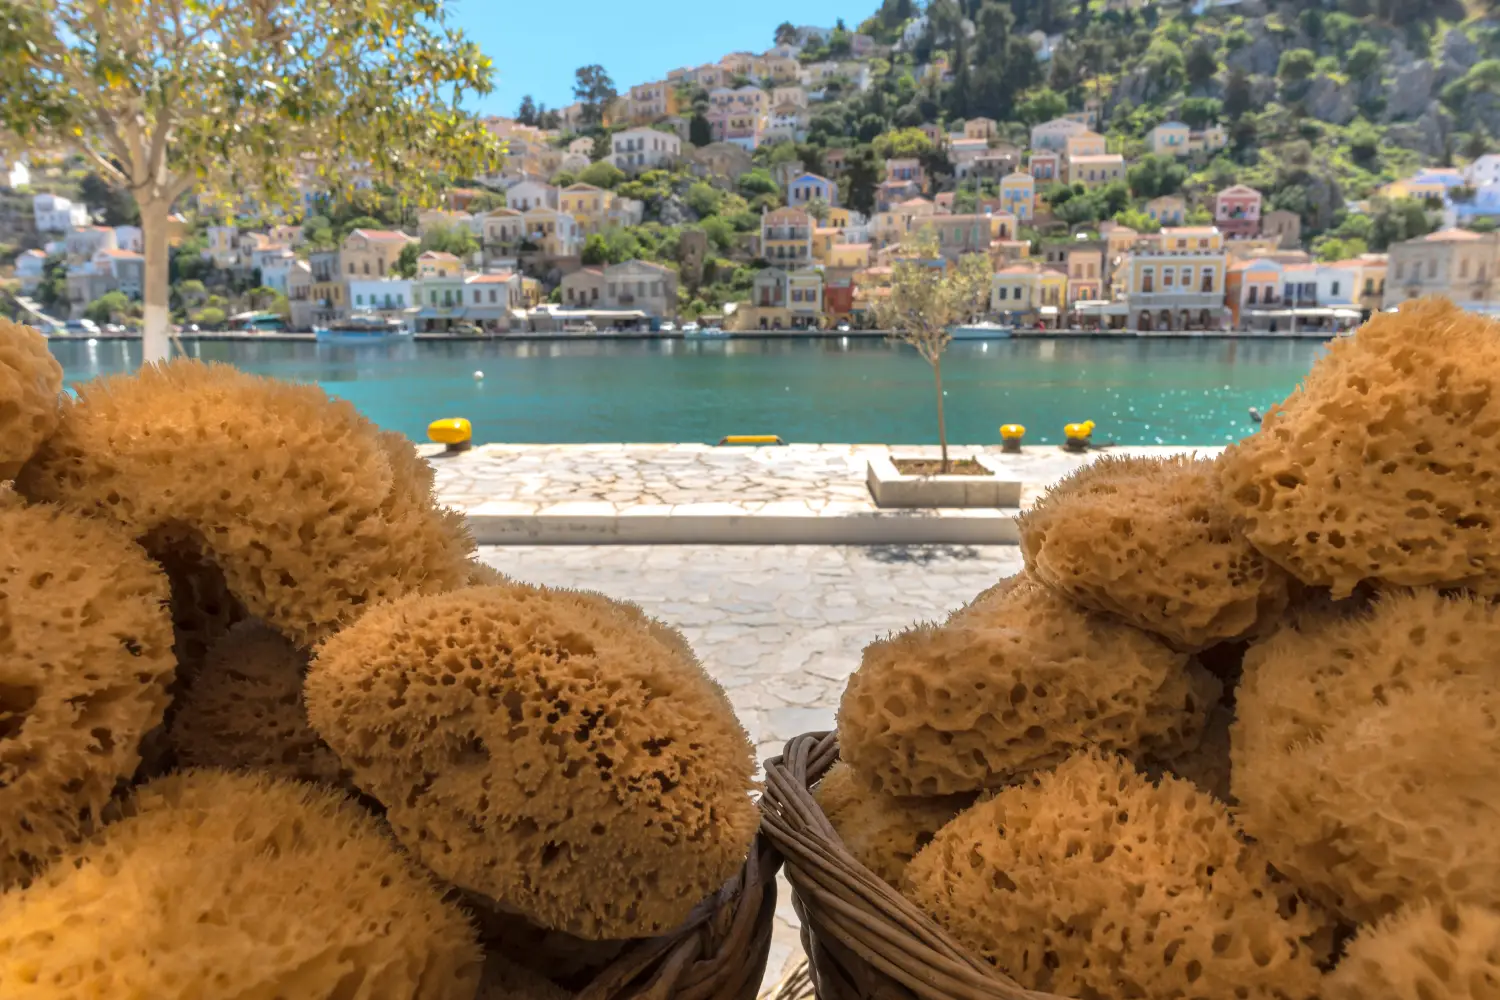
[780, 627]
[677, 493]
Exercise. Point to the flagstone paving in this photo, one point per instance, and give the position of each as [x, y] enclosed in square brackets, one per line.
[699, 493]
[780, 627]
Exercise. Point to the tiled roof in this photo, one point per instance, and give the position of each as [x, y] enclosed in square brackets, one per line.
[380, 234]
[1450, 236]
[437, 255]
[498, 278]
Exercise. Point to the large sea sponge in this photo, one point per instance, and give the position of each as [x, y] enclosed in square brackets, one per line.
[30, 381]
[545, 749]
[244, 710]
[1325, 664]
[1428, 952]
[1382, 466]
[1397, 801]
[1148, 540]
[882, 832]
[1090, 881]
[85, 664]
[219, 885]
[310, 511]
[1014, 682]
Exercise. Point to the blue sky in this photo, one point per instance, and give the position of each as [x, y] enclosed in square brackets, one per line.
[537, 44]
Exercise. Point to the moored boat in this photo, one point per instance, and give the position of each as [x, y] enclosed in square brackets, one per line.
[358, 330]
[981, 331]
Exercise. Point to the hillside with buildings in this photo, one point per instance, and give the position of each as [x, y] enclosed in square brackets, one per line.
[1220, 164]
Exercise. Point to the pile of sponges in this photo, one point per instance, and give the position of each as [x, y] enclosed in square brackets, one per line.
[1235, 730]
[266, 729]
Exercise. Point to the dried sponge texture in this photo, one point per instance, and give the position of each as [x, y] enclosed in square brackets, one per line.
[1323, 666]
[1382, 466]
[1013, 683]
[1090, 881]
[309, 510]
[85, 663]
[1395, 802]
[227, 886]
[882, 832]
[545, 749]
[1148, 539]
[507, 980]
[1206, 765]
[1426, 952]
[244, 710]
[30, 381]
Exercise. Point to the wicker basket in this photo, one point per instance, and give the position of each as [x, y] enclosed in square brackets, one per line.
[718, 953]
[864, 940]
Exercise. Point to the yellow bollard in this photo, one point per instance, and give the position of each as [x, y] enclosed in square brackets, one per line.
[1079, 436]
[1010, 437]
[454, 432]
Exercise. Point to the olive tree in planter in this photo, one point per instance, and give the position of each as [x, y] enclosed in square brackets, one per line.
[242, 101]
[927, 299]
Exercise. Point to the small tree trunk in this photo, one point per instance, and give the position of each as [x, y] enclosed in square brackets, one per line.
[937, 378]
[157, 324]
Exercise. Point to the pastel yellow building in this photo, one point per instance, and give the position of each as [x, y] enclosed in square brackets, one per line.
[1096, 171]
[1191, 238]
[856, 255]
[588, 204]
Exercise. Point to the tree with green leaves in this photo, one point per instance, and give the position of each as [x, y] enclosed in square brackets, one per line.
[1296, 66]
[861, 177]
[242, 101]
[1364, 60]
[457, 239]
[786, 33]
[1237, 96]
[593, 88]
[406, 261]
[700, 131]
[107, 308]
[602, 174]
[112, 202]
[1201, 62]
[526, 114]
[926, 302]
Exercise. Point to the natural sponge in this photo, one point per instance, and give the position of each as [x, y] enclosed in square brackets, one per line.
[545, 749]
[1014, 682]
[226, 885]
[85, 662]
[1091, 881]
[1148, 540]
[882, 832]
[30, 380]
[1326, 664]
[1396, 801]
[1381, 467]
[244, 710]
[310, 512]
[1428, 951]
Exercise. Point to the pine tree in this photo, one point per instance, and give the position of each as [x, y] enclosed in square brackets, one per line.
[526, 114]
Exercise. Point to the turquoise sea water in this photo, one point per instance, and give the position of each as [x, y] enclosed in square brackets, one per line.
[854, 389]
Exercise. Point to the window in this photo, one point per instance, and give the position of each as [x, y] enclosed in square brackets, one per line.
[1148, 280]
[434, 296]
[1250, 299]
[477, 295]
[359, 300]
[1432, 269]
[1002, 290]
[351, 267]
[367, 267]
[1167, 277]
[1208, 279]
[1335, 288]
[492, 297]
[1369, 286]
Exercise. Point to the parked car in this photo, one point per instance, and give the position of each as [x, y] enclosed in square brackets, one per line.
[690, 327]
[669, 327]
[81, 327]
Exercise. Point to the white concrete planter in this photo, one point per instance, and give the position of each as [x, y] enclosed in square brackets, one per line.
[890, 488]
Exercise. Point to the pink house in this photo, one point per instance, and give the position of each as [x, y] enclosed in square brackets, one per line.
[1237, 211]
[1046, 165]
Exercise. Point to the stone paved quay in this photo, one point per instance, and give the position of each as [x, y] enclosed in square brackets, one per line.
[780, 627]
[677, 493]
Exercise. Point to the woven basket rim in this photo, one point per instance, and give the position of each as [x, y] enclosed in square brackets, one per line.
[841, 900]
[718, 953]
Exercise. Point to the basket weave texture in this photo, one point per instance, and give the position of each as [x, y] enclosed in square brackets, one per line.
[718, 953]
[864, 940]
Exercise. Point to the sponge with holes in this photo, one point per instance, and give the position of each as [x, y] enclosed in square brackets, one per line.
[1091, 881]
[244, 710]
[1013, 683]
[85, 664]
[1148, 540]
[1381, 467]
[1429, 951]
[218, 885]
[545, 749]
[30, 381]
[882, 832]
[1396, 801]
[1325, 664]
[310, 511]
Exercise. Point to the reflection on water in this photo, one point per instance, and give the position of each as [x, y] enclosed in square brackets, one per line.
[1138, 391]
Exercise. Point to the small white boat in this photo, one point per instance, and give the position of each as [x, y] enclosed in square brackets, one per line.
[981, 331]
[706, 331]
[362, 331]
